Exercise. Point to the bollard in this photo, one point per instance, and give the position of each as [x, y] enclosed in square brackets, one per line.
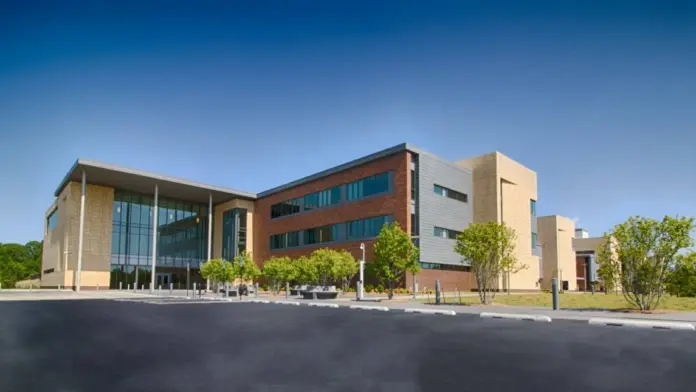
[194, 289]
[120, 286]
[142, 287]
[437, 292]
[256, 289]
[359, 291]
[171, 286]
[59, 287]
[159, 289]
[554, 287]
[128, 287]
[314, 294]
[287, 290]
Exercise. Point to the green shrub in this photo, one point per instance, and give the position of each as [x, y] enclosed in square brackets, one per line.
[379, 288]
[368, 288]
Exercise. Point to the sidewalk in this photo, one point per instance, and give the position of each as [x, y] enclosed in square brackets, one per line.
[562, 314]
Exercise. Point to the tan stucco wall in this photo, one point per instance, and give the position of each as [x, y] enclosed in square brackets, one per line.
[555, 235]
[587, 244]
[96, 249]
[217, 225]
[503, 189]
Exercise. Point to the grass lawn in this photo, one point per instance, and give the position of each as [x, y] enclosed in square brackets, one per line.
[576, 301]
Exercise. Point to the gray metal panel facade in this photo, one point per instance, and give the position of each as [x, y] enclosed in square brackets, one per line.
[440, 211]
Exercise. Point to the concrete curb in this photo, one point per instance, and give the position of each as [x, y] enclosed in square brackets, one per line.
[365, 307]
[430, 311]
[295, 303]
[260, 301]
[322, 305]
[642, 324]
[513, 316]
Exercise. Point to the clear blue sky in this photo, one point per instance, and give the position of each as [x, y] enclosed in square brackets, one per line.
[600, 102]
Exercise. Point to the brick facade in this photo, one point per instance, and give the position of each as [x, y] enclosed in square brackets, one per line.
[396, 204]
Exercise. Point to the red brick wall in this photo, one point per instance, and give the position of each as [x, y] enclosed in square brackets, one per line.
[396, 204]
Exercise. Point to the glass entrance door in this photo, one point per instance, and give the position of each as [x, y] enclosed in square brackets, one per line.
[163, 279]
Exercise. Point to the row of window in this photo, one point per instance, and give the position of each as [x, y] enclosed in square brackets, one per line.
[445, 267]
[446, 233]
[534, 240]
[452, 194]
[353, 230]
[355, 190]
[52, 220]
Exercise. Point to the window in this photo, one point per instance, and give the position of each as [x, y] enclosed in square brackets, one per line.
[368, 186]
[532, 207]
[52, 220]
[446, 233]
[367, 228]
[445, 267]
[322, 199]
[534, 240]
[452, 194]
[289, 207]
[320, 235]
[285, 240]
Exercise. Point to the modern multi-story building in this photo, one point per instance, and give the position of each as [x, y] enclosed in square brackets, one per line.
[110, 226]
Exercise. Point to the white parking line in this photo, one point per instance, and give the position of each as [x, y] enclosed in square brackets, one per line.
[513, 316]
[365, 307]
[642, 324]
[431, 311]
[322, 305]
[295, 303]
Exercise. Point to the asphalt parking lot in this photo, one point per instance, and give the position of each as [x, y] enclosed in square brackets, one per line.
[103, 345]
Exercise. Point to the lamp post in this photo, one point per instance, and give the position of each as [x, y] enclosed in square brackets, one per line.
[362, 273]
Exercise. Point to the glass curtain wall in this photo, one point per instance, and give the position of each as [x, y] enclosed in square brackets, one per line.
[234, 228]
[182, 237]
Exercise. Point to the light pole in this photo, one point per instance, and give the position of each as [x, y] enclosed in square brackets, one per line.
[362, 272]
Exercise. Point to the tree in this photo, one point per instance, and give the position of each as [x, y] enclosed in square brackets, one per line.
[394, 254]
[490, 248]
[305, 271]
[278, 270]
[245, 268]
[346, 268]
[608, 271]
[645, 249]
[19, 262]
[218, 271]
[681, 280]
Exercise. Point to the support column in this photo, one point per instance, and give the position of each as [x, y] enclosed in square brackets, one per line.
[154, 239]
[210, 234]
[82, 231]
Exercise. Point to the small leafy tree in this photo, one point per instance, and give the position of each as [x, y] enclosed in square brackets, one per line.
[277, 270]
[346, 268]
[305, 271]
[325, 261]
[645, 249]
[490, 248]
[245, 268]
[218, 271]
[394, 254]
[681, 280]
[608, 271]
